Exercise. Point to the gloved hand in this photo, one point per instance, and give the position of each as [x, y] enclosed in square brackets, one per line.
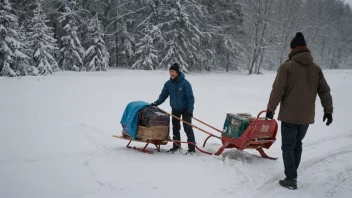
[329, 117]
[154, 104]
[190, 114]
[269, 115]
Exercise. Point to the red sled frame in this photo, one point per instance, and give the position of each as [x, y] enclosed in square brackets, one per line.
[261, 133]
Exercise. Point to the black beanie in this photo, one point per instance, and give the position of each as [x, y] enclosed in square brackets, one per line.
[298, 40]
[175, 67]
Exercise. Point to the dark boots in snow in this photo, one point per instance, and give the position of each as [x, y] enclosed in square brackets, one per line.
[174, 150]
[289, 183]
[190, 152]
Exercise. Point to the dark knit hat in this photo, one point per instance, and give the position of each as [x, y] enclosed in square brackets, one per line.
[175, 67]
[298, 40]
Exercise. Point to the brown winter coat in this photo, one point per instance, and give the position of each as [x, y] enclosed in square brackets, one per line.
[296, 86]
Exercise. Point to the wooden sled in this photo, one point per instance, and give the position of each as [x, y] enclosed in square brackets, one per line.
[261, 133]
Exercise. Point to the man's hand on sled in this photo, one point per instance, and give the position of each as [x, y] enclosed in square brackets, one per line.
[269, 115]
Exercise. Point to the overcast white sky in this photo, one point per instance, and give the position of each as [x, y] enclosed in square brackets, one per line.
[349, 1]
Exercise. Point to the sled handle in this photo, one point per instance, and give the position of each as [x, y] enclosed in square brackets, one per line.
[218, 130]
[264, 111]
[204, 131]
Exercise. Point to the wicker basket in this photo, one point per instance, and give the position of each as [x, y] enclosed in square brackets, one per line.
[151, 133]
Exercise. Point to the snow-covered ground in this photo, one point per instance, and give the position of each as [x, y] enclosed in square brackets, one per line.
[56, 140]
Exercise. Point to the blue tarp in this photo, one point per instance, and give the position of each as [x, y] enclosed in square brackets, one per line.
[129, 120]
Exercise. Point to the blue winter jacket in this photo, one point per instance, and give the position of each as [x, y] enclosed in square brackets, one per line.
[180, 92]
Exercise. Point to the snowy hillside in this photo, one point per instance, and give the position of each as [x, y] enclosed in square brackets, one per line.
[56, 140]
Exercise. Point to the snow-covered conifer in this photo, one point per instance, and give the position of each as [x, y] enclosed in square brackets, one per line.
[146, 51]
[127, 47]
[182, 33]
[72, 52]
[23, 63]
[13, 60]
[96, 56]
[42, 42]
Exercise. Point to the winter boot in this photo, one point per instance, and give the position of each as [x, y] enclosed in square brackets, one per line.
[289, 183]
[190, 152]
[173, 150]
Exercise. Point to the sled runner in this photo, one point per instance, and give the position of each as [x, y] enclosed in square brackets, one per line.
[260, 133]
[156, 143]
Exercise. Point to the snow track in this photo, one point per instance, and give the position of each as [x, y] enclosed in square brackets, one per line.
[324, 176]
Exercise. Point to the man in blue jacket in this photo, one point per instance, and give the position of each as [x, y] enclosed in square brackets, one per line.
[182, 103]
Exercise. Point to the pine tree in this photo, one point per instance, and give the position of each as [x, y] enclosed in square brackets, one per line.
[42, 42]
[72, 52]
[13, 60]
[127, 48]
[97, 57]
[146, 51]
[23, 62]
[224, 20]
[181, 30]
[24, 10]
[7, 42]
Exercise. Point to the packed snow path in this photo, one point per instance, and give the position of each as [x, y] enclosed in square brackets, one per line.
[56, 140]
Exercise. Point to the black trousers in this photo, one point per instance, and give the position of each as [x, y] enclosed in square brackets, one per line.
[292, 136]
[176, 127]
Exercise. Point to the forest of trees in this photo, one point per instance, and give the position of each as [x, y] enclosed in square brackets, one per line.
[39, 37]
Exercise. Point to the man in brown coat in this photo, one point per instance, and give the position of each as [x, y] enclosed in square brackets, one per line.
[298, 82]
